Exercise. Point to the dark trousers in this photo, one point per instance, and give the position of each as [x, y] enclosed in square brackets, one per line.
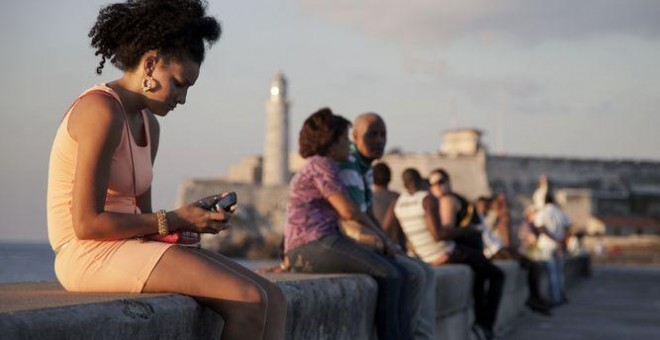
[488, 283]
[337, 254]
[535, 272]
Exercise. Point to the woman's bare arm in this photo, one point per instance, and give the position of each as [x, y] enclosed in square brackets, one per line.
[432, 216]
[447, 212]
[348, 210]
[391, 224]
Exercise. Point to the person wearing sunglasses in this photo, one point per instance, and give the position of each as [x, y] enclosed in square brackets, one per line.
[458, 223]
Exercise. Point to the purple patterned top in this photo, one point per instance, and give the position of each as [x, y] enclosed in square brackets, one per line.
[309, 215]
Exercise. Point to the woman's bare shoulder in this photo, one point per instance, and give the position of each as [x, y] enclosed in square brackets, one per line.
[95, 114]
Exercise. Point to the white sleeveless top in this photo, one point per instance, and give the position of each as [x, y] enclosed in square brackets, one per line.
[409, 210]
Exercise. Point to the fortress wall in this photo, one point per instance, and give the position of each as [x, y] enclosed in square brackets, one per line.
[257, 224]
[468, 173]
[609, 184]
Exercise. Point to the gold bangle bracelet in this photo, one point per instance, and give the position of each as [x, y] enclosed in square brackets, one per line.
[163, 228]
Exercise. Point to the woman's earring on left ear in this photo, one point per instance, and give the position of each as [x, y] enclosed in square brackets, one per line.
[147, 84]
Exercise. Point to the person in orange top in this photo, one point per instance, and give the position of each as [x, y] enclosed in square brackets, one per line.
[100, 171]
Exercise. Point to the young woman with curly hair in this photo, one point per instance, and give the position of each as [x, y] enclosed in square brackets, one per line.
[100, 172]
[317, 202]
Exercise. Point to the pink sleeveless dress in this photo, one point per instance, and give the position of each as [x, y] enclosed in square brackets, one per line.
[100, 266]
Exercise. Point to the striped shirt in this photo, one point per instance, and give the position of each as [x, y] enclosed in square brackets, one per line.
[409, 210]
[357, 176]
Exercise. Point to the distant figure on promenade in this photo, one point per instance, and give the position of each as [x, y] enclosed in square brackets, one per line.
[495, 220]
[369, 140]
[100, 219]
[485, 208]
[495, 248]
[502, 225]
[417, 211]
[552, 226]
[317, 202]
[543, 187]
[528, 235]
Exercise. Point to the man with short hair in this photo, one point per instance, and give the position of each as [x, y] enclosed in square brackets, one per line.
[416, 212]
[369, 139]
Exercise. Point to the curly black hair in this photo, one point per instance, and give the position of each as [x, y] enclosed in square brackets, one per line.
[320, 130]
[123, 32]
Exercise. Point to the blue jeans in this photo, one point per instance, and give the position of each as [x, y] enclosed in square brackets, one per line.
[487, 286]
[555, 268]
[337, 254]
[422, 291]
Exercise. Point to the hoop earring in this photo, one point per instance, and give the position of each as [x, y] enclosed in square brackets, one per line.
[147, 84]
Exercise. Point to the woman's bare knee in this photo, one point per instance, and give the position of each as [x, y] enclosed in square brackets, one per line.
[254, 294]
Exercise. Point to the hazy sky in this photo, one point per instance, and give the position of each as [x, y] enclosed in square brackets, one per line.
[559, 78]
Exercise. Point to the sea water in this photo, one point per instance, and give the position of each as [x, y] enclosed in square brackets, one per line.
[26, 262]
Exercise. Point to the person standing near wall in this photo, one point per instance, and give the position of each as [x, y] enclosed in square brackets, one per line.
[552, 224]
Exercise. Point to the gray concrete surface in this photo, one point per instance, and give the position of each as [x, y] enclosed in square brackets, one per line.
[319, 306]
[453, 301]
[514, 295]
[618, 303]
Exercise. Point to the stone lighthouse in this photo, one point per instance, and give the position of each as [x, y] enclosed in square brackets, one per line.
[276, 150]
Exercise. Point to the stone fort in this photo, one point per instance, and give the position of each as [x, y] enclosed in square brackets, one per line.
[614, 197]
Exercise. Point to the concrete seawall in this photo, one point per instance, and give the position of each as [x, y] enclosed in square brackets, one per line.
[319, 307]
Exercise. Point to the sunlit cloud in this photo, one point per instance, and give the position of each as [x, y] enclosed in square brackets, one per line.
[523, 22]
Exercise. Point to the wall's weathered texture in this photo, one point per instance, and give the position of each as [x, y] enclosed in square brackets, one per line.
[319, 307]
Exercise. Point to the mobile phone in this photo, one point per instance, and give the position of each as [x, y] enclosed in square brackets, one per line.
[227, 203]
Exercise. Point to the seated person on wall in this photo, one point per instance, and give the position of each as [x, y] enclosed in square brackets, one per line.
[101, 223]
[496, 249]
[493, 247]
[456, 211]
[484, 207]
[383, 197]
[494, 214]
[369, 139]
[416, 211]
[317, 203]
